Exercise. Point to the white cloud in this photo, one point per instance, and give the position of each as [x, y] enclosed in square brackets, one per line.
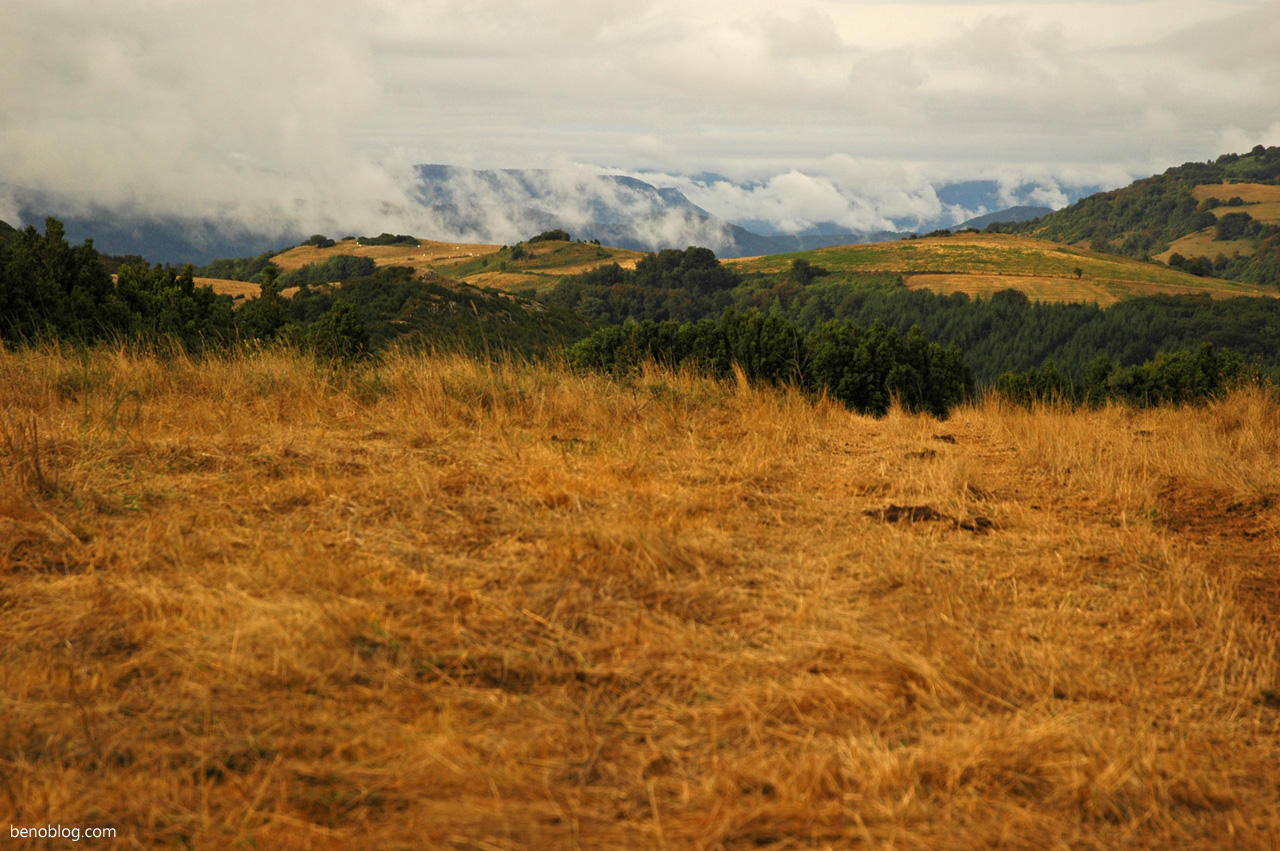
[831, 111]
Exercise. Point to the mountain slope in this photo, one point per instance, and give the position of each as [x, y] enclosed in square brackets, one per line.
[1147, 217]
[1013, 214]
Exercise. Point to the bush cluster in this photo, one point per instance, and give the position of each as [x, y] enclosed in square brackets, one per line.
[1178, 378]
[863, 368]
[556, 235]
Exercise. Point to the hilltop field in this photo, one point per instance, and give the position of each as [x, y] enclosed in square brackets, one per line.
[983, 264]
[977, 264]
[477, 265]
[1260, 201]
[251, 602]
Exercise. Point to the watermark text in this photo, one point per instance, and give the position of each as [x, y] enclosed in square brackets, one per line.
[50, 831]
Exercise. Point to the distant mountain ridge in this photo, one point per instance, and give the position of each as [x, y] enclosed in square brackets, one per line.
[500, 206]
[1013, 214]
[618, 210]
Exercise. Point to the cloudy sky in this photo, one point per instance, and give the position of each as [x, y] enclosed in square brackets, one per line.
[828, 111]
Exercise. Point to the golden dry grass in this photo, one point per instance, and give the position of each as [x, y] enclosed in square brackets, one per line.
[437, 604]
[1062, 288]
[980, 264]
[221, 286]
[1261, 200]
[424, 257]
[1202, 244]
[540, 269]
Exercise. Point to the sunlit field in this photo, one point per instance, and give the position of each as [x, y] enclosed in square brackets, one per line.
[252, 602]
[985, 263]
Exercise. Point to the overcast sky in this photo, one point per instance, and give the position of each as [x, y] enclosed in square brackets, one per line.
[248, 107]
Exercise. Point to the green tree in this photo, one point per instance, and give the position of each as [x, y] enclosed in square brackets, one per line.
[340, 335]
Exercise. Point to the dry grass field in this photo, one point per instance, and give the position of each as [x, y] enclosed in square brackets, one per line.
[980, 264]
[1202, 244]
[1064, 289]
[422, 258]
[252, 603]
[1261, 200]
[235, 289]
[472, 264]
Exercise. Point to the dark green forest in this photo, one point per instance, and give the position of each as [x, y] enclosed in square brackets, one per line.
[863, 368]
[51, 290]
[1006, 332]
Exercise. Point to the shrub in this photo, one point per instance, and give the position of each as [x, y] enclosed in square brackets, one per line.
[550, 236]
[1178, 378]
[863, 369]
[340, 334]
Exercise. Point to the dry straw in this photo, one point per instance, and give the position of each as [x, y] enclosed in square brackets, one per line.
[439, 603]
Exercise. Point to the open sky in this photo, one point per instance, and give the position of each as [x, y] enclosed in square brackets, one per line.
[245, 108]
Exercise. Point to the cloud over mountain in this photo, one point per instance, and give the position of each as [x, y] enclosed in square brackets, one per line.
[847, 113]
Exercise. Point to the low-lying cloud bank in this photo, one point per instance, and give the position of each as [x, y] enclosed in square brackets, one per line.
[270, 117]
[643, 209]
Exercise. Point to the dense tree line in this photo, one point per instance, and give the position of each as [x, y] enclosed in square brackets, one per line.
[1179, 378]
[395, 305]
[865, 368]
[340, 267]
[1009, 332]
[671, 284]
[50, 289]
[248, 269]
[1145, 217]
[1005, 332]
[385, 238]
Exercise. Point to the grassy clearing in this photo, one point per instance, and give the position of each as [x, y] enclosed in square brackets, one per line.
[974, 263]
[479, 265]
[236, 289]
[1203, 244]
[1261, 200]
[543, 266]
[438, 604]
[422, 258]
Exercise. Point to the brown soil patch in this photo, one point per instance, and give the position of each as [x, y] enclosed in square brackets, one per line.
[1236, 535]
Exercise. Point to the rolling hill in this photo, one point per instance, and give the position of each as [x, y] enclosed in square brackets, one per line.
[541, 265]
[1181, 211]
[982, 264]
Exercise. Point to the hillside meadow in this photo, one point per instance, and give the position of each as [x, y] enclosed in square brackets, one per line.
[982, 264]
[252, 602]
[479, 265]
